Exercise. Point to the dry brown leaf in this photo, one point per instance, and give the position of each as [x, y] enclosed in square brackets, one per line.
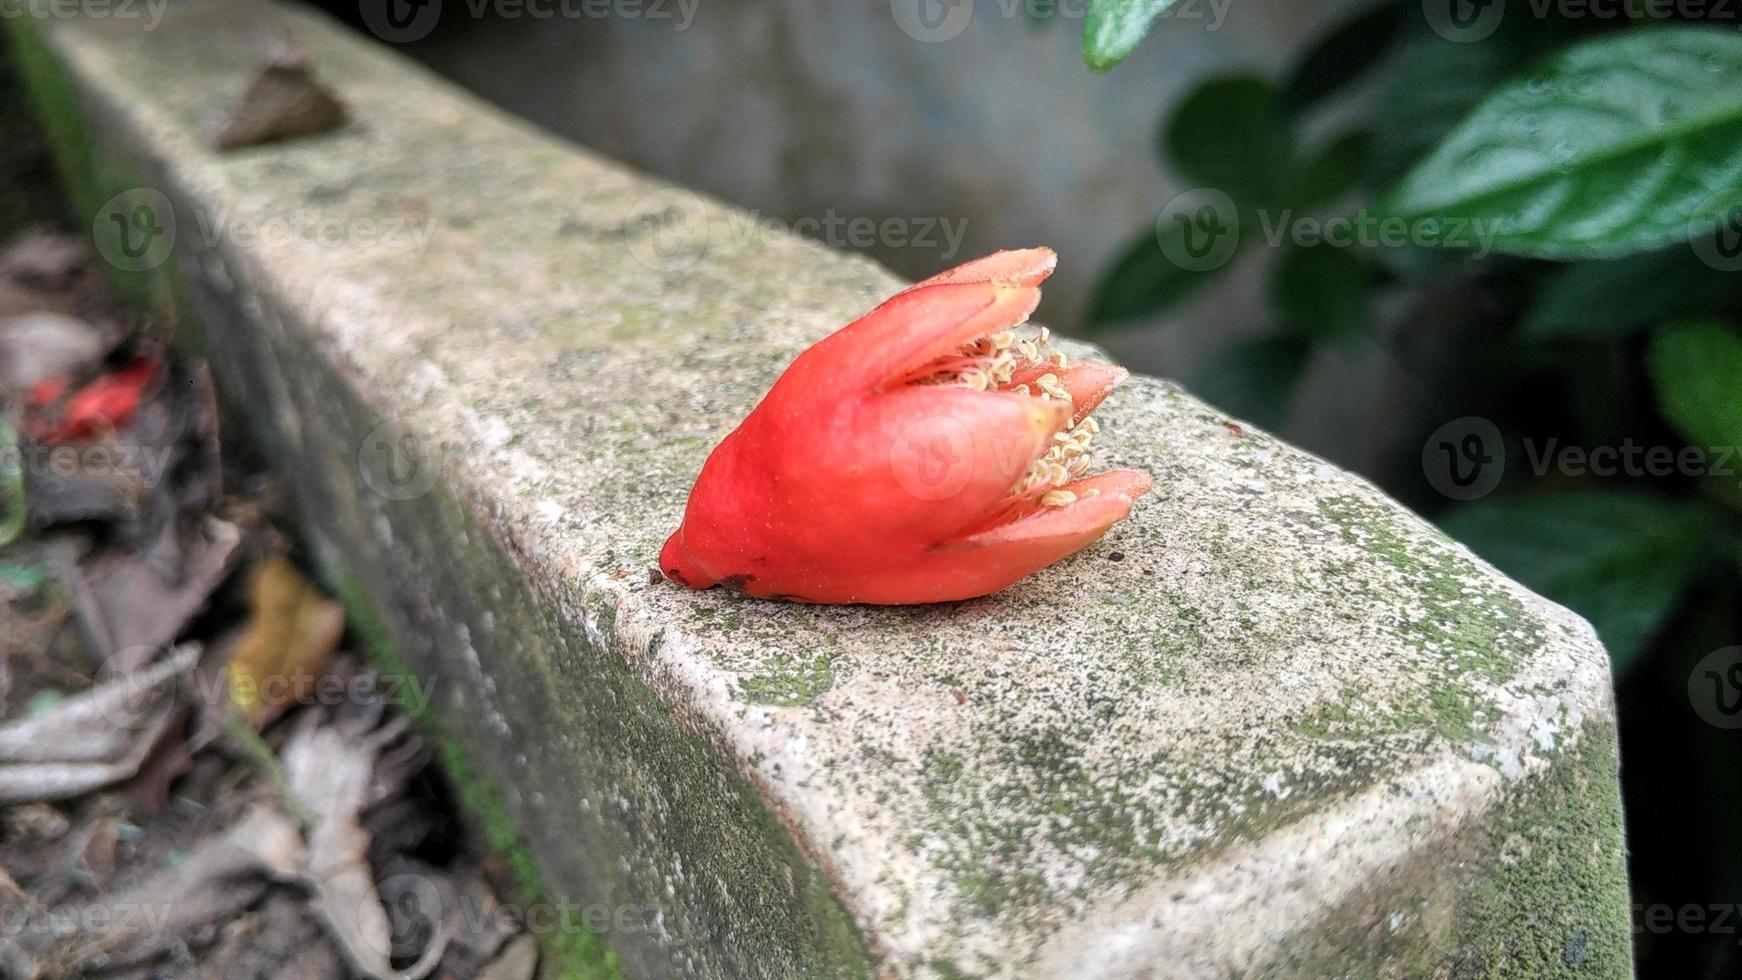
[518, 962]
[331, 770]
[65, 495]
[45, 261]
[9, 889]
[220, 877]
[140, 604]
[169, 760]
[291, 636]
[283, 100]
[276, 941]
[97, 855]
[421, 898]
[96, 738]
[41, 346]
[34, 822]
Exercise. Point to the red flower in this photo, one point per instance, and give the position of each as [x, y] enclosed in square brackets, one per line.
[104, 405]
[923, 453]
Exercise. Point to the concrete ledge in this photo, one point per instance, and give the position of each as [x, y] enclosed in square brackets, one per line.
[1272, 726]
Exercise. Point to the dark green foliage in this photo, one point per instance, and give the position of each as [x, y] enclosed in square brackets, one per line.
[1569, 275]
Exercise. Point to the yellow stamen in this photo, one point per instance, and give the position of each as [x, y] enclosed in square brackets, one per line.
[988, 364]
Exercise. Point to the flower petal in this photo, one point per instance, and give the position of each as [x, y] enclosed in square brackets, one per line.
[987, 562]
[1016, 267]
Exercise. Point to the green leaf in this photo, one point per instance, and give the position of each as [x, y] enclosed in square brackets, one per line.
[1697, 371]
[1112, 29]
[1147, 279]
[1610, 299]
[1254, 380]
[1230, 134]
[20, 578]
[1436, 84]
[13, 505]
[1320, 292]
[1621, 144]
[42, 702]
[1335, 171]
[1341, 56]
[1618, 559]
[1438, 81]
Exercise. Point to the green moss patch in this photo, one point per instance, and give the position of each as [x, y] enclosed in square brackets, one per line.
[578, 953]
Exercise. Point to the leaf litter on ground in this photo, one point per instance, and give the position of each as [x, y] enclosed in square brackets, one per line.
[170, 782]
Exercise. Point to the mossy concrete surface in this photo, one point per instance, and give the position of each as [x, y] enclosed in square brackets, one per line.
[1273, 725]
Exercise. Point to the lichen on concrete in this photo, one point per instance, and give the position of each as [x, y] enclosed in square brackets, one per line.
[1521, 897]
[1224, 738]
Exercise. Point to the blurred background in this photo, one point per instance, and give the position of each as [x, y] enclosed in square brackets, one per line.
[1485, 254]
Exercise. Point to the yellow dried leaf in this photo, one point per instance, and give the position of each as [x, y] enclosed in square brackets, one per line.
[291, 636]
